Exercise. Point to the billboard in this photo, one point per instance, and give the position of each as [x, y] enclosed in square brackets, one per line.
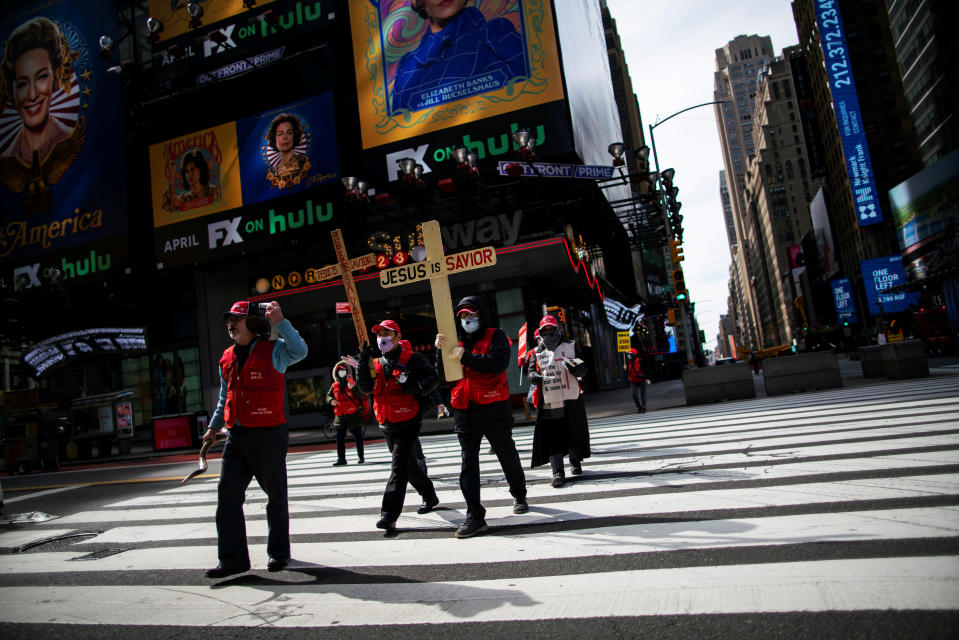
[880, 275]
[843, 300]
[825, 247]
[273, 154]
[927, 203]
[855, 147]
[449, 64]
[62, 179]
[176, 20]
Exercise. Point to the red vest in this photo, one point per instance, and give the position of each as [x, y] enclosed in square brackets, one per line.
[476, 387]
[255, 395]
[390, 403]
[636, 374]
[346, 401]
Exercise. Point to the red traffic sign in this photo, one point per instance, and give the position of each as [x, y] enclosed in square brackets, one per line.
[342, 307]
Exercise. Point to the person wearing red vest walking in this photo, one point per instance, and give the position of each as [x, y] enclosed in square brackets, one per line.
[637, 379]
[347, 403]
[251, 406]
[403, 383]
[480, 401]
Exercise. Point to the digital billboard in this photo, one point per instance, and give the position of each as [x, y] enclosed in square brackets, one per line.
[843, 300]
[175, 18]
[272, 154]
[423, 68]
[855, 148]
[62, 178]
[879, 276]
[927, 203]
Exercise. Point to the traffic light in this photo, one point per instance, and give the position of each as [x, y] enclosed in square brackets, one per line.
[680, 284]
[676, 249]
[671, 317]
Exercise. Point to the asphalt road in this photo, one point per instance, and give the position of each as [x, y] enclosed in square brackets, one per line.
[831, 514]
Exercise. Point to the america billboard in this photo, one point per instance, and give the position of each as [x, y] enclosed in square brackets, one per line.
[62, 179]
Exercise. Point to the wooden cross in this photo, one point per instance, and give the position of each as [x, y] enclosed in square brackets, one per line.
[436, 268]
[345, 267]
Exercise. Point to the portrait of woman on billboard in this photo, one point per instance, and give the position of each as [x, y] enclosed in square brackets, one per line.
[286, 151]
[460, 53]
[424, 65]
[41, 131]
[191, 187]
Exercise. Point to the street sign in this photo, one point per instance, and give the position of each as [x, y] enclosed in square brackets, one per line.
[622, 341]
[557, 170]
[343, 307]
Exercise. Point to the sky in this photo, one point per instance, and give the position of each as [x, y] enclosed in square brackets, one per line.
[670, 50]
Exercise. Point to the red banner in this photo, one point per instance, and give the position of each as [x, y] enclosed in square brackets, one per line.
[521, 348]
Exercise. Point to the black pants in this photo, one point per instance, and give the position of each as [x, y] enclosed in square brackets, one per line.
[407, 468]
[341, 443]
[501, 440]
[639, 391]
[252, 452]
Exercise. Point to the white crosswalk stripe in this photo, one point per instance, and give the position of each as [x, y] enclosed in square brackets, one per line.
[838, 501]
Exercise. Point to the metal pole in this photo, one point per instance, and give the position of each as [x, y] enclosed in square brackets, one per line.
[336, 315]
[662, 198]
[669, 235]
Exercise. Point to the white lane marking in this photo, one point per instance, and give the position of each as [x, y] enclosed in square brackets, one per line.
[45, 492]
[343, 496]
[553, 512]
[916, 583]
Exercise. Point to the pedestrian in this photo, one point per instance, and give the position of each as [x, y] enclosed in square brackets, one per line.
[637, 379]
[403, 383]
[347, 401]
[251, 406]
[480, 401]
[561, 426]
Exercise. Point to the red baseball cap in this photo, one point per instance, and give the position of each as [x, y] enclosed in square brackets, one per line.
[387, 324]
[548, 321]
[240, 309]
[467, 309]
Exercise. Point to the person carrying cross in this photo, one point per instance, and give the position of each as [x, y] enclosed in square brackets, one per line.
[404, 379]
[481, 408]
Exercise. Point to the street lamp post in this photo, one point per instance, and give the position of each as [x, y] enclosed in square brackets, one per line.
[662, 198]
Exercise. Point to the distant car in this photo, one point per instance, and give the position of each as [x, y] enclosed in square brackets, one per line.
[720, 361]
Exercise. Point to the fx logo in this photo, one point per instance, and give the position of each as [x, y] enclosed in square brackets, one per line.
[229, 230]
[417, 154]
[26, 277]
[210, 46]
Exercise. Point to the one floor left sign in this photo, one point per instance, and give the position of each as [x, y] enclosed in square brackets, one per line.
[882, 279]
[842, 298]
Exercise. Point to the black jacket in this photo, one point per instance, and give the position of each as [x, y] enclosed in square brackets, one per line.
[481, 418]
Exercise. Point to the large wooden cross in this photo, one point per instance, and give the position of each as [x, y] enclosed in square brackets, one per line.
[345, 267]
[436, 268]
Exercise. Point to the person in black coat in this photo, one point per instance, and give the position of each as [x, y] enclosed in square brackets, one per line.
[404, 381]
[481, 408]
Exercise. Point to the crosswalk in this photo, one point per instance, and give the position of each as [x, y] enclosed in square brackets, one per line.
[841, 501]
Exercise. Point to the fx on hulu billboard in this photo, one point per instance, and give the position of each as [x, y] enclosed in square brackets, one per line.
[424, 66]
[272, 154]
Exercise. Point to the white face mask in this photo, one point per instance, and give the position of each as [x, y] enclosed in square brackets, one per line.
[385, 343]
[470, 325]
[341, 373]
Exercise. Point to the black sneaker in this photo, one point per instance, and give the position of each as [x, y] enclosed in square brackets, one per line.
[520, 506]
[361, 461]
[339, 463]
[222, 571]
[559, 480]
[387, 523]
[471, 527]
[577, 469]
[428, 505]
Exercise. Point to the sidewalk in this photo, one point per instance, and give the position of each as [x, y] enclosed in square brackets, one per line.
[600, 404]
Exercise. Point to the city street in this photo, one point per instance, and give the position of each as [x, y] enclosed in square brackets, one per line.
[822, 514]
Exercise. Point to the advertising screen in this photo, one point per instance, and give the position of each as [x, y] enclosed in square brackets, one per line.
[927, 203]
[176, 19]
[855, 148]
[62, 181]
[448, 64]
[842, 298]
[259, 158]
[880, 275]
